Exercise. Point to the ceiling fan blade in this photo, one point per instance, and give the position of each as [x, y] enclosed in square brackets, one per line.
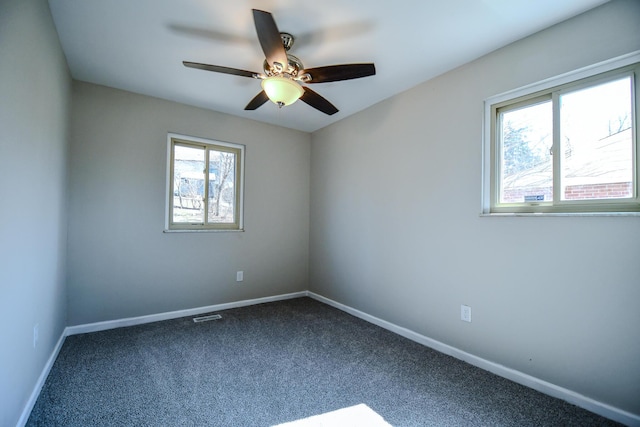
[318, 102]
[334, 73]
[270, 39]
[257, 101]
[219, 69]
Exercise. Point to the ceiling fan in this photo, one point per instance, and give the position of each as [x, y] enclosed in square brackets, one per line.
[284, 74]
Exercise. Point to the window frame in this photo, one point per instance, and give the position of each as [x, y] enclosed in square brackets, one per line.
[174, 139]
[551, 89]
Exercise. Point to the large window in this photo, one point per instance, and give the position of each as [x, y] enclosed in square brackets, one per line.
[568, 147]
[204, 184]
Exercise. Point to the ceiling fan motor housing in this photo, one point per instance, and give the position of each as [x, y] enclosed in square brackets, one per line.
[293, 67]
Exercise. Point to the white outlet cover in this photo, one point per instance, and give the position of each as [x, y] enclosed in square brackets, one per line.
[465, 313]
[239, 276]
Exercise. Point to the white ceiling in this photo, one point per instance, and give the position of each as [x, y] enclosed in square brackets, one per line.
[139, 45]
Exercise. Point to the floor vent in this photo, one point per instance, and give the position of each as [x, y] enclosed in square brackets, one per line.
[207, 318]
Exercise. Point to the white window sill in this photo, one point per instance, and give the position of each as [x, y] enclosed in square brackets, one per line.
[204, 231]
[561, 214]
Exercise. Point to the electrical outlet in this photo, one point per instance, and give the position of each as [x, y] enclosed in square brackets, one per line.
[239, 276]
[36, 334]
[465, 313]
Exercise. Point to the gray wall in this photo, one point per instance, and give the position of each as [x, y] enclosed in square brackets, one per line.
[121, 264]
[34, 104]
[396, 231]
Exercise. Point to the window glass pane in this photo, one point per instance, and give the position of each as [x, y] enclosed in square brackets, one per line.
[596, 142]
[188, 184]
[526, 168]
[222, 187]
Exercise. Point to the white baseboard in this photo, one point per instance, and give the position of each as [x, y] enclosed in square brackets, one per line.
[542, 386]
[577, 399]
[22, 421]
[131, 321]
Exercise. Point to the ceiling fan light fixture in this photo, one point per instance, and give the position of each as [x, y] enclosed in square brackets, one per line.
[281, 90]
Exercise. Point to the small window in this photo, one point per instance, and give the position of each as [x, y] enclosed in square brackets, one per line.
[205, 184]
[569, 148]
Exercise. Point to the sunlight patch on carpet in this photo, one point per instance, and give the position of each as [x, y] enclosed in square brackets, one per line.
[354, 416]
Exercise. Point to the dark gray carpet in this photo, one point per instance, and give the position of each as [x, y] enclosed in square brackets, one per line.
[274, 363]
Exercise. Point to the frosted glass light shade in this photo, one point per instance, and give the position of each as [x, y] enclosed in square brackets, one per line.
[281, 90]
